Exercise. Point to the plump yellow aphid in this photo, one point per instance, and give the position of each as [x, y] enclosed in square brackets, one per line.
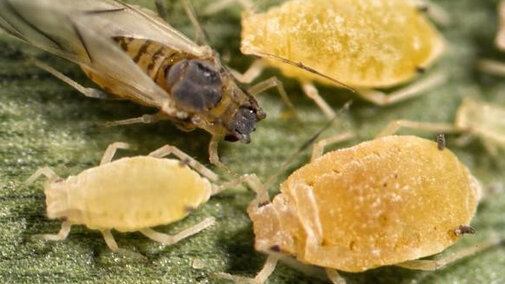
[364, 44]
[474, 118]
[389, 201]
[130, 194]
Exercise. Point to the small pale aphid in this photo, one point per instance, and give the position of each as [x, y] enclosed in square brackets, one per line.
[364, 44]
[478, 119]
[388, 201]
[133, 54]
[130, 194]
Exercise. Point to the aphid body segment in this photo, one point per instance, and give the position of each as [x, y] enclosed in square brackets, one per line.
[133, 54]
[382, 202]
[129, 194]
[364, 44]
[388, 201]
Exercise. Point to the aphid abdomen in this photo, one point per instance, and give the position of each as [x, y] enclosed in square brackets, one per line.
[153, 58]
[134, 193]
[361, 43]
[384, 202]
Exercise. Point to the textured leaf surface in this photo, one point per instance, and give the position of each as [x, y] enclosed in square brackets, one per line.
[45, 122]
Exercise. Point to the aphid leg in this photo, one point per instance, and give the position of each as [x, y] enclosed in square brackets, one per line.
[260, 278]
[161, 9]
[311, 91]
[111, 150]
[492, 67]
[271, 83]
[166, 239]
[250, 74]
[428, 265]
[146, 118]
[88, 92]
[438, 14]
[185, 158]
[334, 277]
[252, 182]
[45, 171]
[396, 125]
[318, 149]
[220, 5]
[109, 240]
[61, 235]
[214, 154]
[410, 91]
[190, 12]
[500, 35]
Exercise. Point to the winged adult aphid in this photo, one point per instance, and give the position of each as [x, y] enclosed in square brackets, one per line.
[133, 54]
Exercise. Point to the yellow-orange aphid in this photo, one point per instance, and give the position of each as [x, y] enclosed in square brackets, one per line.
[389, 201]
[130, 194]
[364, 44]
[474, 118]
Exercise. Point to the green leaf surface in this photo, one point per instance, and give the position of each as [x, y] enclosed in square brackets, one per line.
[44, 122]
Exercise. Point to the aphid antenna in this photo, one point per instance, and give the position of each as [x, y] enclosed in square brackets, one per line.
[255, 7]
[272, 179]
[202, 37]
[304, 67]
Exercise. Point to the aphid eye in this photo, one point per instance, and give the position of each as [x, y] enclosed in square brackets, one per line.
[242, 124]
[194, 84]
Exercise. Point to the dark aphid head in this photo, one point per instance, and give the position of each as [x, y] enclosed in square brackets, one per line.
[212, 99]
[242, 124]
[195, 85]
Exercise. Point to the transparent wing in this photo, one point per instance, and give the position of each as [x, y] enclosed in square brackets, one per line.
[81, 31]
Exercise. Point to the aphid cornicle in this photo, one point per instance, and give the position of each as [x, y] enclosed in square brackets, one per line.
[364, 44]
[133, 54]
[388, 201]
[130, 194]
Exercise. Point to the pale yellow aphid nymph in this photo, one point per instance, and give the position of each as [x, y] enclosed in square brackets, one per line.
[363, 44]
[388, 201]
[130, 194]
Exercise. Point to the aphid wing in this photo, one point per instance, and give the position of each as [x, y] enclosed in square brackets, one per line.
[108, 60]
[34, 23]
[64, 28]
[137, 22]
